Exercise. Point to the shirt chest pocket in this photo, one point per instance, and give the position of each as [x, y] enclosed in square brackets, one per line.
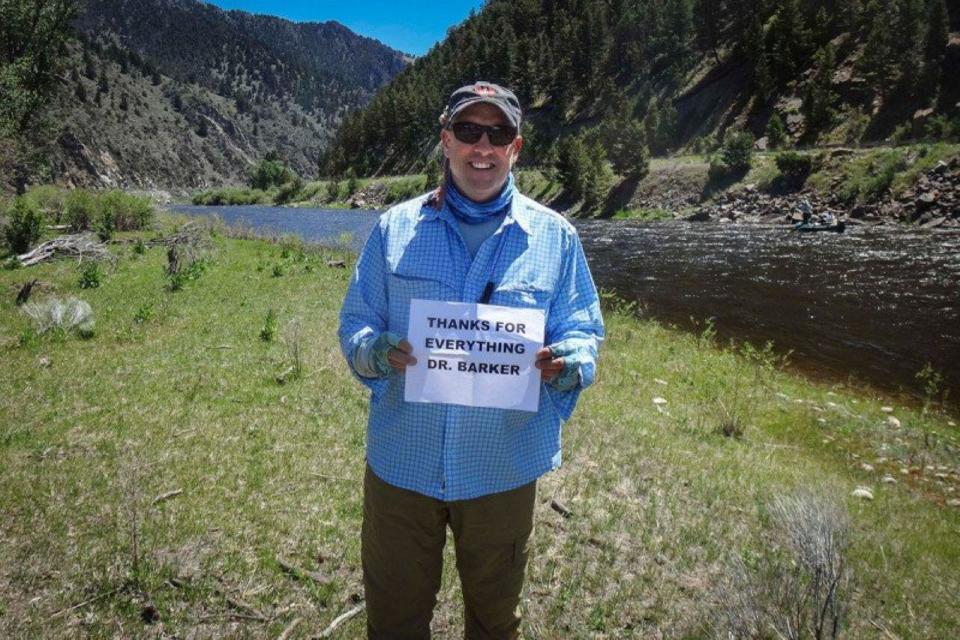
[404, 287]
[522, 297]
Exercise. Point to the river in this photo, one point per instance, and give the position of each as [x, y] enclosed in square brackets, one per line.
[874, 304]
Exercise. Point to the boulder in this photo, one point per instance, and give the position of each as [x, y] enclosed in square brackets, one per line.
[927, 200]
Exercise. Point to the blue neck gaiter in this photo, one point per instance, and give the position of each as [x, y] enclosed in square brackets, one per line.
[470, 212]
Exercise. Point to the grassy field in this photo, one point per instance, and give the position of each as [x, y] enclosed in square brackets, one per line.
[157, 470]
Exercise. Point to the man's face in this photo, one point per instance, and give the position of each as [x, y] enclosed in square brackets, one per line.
[480, 169]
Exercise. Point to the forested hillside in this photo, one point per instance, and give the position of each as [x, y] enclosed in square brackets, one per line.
[173, 93]
[672, 74]
[323, 67]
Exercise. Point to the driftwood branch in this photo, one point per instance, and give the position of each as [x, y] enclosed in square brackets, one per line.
[560, 508]
[302, 574]
[290, 627]
[163, 497]
[78, 245]
[60, 612]
[339, 620]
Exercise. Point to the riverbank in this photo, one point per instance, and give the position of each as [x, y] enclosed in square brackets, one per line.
[194, 463]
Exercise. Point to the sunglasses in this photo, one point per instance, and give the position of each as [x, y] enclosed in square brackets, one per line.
[471, 132]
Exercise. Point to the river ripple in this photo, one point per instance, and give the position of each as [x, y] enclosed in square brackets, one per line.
[873, 304]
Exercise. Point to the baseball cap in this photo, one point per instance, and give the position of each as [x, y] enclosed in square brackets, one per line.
[478, 92]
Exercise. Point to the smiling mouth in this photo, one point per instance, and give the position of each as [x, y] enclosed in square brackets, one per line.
[482, 165]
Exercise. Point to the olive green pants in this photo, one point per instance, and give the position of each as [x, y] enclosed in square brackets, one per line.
[403, 537]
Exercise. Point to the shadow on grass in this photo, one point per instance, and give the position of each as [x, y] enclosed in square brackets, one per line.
[719, 183]
[619, 197]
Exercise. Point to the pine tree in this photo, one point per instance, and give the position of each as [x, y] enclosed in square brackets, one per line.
[937, 34]
[788, 40]
[776, 132]
[598, 177]
[819, 95]
[573, 166]
[708, 16]
[911, 27]
[89, 68]
[877, 61]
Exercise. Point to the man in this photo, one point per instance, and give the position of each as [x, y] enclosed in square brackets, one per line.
[430, 466]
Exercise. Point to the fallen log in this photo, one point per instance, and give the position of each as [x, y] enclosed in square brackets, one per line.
[79, 245]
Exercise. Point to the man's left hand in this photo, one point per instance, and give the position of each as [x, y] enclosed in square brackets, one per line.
[549, 365]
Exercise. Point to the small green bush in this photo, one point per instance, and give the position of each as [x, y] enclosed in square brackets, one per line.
[126, 212]
[90, 275]
[50, 199]
[231, 196]
[80, 210]
[794, 166]
[22, 229]
[289, 191]
[269, 330]
[404, 188]
[734, 158]
[139, 248]
[104, 225]
[270, 172]
[776, 132]
[737, 151]
[144, 313]
[352, 183]
[192, 271]
[333, 191]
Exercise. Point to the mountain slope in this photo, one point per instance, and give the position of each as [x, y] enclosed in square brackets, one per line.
[177, 93]
[834, 71]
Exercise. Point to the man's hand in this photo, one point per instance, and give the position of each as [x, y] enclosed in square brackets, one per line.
[560, 364]
[549, 366]
[391, 351]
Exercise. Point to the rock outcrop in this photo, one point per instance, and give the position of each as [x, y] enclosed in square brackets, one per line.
[932, 202]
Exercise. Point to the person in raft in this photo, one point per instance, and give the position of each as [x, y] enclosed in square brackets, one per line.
[433, 466]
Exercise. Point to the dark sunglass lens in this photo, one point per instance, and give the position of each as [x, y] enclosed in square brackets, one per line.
[467, 132]
[501, 136]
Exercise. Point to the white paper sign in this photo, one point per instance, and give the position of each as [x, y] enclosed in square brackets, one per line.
[477, 355]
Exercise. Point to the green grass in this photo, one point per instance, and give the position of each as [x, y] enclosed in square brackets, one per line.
[538, 185]
[176, 390]
[646, 215]
[869, 176]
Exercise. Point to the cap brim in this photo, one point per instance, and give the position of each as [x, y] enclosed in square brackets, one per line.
[478, 100]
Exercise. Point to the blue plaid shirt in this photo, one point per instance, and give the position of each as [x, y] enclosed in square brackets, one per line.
[534, 259]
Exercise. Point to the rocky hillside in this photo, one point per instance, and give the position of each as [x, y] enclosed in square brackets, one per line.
[180, 94]
[932, 201]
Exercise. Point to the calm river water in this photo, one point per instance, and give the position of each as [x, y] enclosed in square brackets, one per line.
[872, 304]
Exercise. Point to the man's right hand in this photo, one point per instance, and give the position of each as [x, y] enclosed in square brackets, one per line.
[390, 351]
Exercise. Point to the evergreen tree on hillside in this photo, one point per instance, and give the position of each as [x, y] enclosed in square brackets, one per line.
[819, 96]
[911, 27]
[32, 38]
[935, 43]
[776, 132]
[708, 16]
[878, 62]
[788, 38]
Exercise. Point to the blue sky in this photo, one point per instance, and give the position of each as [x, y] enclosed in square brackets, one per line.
[411, 27]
